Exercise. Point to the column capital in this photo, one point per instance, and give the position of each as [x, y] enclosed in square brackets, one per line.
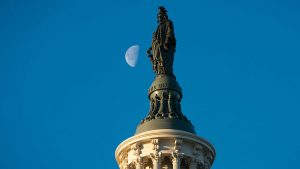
[156, 156]
[176, 156]
[156, 159]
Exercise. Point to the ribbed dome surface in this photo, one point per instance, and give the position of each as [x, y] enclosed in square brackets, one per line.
[165, 107]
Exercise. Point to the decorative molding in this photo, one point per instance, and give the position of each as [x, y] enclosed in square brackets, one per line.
[177, 144]
[165, 104]
[208, 160]
[176, 157]
[138, 160]
[124, 160]
[156, 156]
[154, 136]
[155, 143]
[197, 149]
[136, 148]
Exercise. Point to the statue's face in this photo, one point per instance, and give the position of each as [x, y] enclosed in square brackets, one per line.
[160, 17]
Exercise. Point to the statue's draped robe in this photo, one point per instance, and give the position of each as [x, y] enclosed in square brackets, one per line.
[163, 59]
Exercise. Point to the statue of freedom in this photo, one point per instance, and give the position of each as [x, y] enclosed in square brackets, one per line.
[161, 52]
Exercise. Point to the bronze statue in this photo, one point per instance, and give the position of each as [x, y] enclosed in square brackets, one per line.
[161, 52]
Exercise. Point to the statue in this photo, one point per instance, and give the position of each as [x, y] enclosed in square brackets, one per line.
[161, 52]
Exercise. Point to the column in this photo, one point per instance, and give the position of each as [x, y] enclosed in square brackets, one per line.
[176, 160]
[156, 160]
[156, 164]
[138, 164]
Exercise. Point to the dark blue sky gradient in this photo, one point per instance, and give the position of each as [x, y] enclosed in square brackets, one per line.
[68, 98]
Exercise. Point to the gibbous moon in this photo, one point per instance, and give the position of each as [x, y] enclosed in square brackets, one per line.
[132, 55]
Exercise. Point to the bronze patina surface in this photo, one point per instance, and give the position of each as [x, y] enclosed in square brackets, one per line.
[161, 52]
[164, 94]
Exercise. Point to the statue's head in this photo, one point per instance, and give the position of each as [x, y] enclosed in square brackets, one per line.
[162, 14]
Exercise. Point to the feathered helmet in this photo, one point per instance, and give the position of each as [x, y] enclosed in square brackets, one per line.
[163, 11]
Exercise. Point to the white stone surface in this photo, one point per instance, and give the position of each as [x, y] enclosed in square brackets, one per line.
[165, 148]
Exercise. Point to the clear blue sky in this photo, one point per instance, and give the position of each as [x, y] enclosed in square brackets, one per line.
[68, 98]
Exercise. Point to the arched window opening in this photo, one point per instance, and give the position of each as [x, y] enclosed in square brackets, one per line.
[149, 164]
[166, 163]
[184, 164]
